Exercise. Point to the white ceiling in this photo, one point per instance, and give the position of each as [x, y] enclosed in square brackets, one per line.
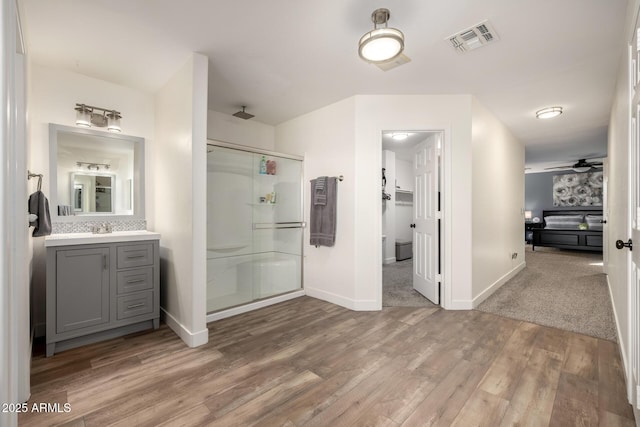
[284, 58]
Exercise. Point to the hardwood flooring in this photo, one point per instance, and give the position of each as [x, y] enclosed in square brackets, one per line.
[308, 362]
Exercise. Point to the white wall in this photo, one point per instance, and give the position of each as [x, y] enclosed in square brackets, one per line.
[497, 203]
[451, 113]
[618, 262]
[53, 95]
[404, 211]
[180, 208]
[326, 140]
[345, 138]
[389, 207]
[227, 128]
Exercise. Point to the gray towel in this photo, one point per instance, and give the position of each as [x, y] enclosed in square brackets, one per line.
[64, 210]
[319, 191]
[39, 205]
[323, 216]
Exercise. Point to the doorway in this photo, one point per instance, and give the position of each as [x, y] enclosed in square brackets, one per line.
[411, 220]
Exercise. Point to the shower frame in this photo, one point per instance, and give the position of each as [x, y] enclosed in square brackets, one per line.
[275, 299]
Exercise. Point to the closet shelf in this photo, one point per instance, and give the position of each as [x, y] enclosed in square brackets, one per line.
[401, 191]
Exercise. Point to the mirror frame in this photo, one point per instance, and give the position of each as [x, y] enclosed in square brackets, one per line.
[138, 174]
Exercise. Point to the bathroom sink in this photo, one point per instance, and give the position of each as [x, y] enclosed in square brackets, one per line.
[65, 239]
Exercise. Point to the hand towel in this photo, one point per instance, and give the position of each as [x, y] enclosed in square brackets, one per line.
[319, 191]
[39, 205]
[323, 216]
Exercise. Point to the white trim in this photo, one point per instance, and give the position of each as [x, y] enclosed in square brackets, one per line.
[190, 338]
[497, 284]
[351, 304]
[620, 340]
[254, 306]
[460, 304]
[390, 260]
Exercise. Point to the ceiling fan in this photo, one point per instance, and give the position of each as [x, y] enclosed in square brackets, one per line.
[581, 166]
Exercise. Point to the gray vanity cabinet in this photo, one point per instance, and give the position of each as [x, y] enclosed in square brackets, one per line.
[100, 291]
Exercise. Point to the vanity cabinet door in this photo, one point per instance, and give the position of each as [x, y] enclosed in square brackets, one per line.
[82, 291]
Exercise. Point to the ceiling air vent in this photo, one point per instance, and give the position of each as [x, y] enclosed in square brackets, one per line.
[472, 38]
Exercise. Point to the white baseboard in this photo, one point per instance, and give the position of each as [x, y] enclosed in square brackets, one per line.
[351, 304]
[497, 284]
[621, 346]
[460, 304]
[254, 306]
[192, 339]
[389, 260]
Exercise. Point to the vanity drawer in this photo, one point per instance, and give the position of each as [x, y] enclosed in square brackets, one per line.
[135, 305]
[134, 280]
[135, 255]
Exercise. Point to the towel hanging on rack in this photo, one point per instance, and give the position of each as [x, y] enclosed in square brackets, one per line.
[39, 205]
[323, 212]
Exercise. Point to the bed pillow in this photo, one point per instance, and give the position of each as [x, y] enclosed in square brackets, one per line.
[563, 222]
[594, 222]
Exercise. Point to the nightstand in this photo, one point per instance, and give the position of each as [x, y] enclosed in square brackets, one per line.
[528, 230]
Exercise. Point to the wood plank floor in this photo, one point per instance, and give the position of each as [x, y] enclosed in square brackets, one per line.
[307, 362]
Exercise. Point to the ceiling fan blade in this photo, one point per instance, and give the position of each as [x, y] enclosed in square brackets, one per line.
[559, 167]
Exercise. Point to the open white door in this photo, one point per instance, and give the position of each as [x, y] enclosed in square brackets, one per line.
[425, 220]
[634, 225]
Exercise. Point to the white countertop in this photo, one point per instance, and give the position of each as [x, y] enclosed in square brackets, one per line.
[65, 239]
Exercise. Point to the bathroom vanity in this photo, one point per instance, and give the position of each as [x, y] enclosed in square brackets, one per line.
[100, 286]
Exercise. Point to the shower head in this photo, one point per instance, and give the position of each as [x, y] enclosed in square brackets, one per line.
[243, 115]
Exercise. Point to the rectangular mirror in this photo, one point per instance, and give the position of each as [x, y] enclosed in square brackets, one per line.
[95, 173]
[92, 193]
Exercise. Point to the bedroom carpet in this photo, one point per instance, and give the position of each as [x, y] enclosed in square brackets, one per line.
[397, 286]
[558, 288]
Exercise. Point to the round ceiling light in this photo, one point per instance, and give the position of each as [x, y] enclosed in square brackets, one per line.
[548, 113]
[381, 44]
[400, 136]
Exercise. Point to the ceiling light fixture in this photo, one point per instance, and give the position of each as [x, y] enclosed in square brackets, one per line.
[381, 44]
[400, 136]
[88, 116]
[548, 113]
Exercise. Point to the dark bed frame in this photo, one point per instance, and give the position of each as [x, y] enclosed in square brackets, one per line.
[582, 240]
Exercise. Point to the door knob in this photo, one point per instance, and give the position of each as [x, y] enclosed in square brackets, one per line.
[412, 226]
[620, 244]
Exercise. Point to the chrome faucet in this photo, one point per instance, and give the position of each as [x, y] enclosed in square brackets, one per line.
[103, 228]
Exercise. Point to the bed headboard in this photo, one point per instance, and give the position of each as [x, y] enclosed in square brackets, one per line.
[573, 212]
[594, 224]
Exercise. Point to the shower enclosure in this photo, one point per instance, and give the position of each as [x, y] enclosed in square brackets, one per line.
[254, 225]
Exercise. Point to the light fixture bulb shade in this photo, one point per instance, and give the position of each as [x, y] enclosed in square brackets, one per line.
[381, 45]
[83, 117]
[399, 136]
[527, 214]
[582, 169]
[548, 113]
[113, 122]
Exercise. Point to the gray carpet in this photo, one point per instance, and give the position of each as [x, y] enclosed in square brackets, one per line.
[397, 286]
[562, 289]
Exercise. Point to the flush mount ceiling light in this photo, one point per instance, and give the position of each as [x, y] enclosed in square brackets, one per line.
[548, 113]
[88, 116]
[381, 44]
[400, 136]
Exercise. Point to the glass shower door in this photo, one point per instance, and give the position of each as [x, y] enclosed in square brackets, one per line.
[254, 226]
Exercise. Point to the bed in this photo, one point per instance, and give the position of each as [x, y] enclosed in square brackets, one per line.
[561, 230]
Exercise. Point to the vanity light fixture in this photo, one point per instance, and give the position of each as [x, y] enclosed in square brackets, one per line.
[92, 166]
[88, 116]
[381, 45]
[549, 112]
